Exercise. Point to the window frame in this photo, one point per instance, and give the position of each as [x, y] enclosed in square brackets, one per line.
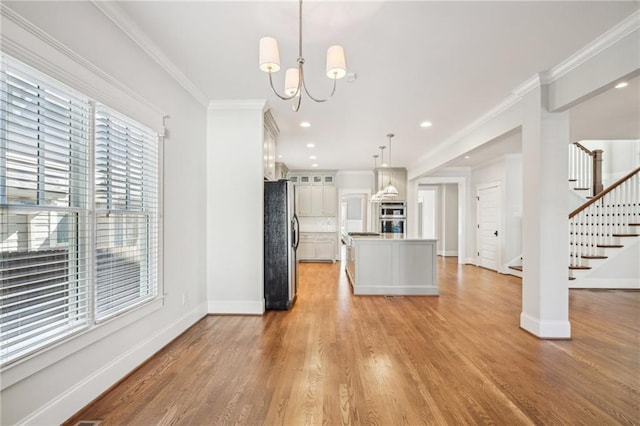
[15, 369]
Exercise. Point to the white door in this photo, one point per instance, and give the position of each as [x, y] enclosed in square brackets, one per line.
[488, 199]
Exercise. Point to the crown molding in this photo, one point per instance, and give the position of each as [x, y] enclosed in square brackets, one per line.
[115, 13]
[627, 26]
[603, 42]
[100, 84]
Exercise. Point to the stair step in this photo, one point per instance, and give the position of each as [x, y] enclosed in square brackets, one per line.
[626, 235]
[593, 257]
[572, 278]
[579, 267]
[609, 246]
[519, 268]
[582, 189]
[573, 180]
[634, 224]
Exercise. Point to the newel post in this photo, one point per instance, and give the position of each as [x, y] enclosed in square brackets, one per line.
[597, 172]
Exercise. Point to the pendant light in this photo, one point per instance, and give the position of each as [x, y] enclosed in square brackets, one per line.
[390, 191]
[375, 198]
[380, 193]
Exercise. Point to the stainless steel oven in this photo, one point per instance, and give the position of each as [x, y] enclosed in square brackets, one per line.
[393, 210]
[393, 217]
[392, 226]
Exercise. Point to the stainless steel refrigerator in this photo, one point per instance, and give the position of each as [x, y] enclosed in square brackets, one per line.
[281, 237]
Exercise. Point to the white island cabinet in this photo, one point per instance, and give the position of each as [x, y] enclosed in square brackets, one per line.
[388, 265]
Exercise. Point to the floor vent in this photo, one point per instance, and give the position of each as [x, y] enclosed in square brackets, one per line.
[88, 423]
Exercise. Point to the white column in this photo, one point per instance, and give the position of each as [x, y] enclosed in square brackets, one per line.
[235, 207]
[545, 292]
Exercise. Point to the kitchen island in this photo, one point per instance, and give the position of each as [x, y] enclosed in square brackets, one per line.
[388, 264]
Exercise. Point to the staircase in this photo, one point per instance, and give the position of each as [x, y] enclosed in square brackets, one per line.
[603, 229]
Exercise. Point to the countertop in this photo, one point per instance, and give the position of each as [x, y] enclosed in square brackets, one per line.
[388, 237]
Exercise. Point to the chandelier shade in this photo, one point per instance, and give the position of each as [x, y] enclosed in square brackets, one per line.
[336, 62]
[294, 77]
[269, 55]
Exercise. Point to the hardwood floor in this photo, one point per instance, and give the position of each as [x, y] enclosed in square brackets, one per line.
[339, 359]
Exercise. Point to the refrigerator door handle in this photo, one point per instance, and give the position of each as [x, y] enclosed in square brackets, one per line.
[296, 231]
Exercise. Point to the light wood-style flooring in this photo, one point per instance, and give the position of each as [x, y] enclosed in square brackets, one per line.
[339, 359]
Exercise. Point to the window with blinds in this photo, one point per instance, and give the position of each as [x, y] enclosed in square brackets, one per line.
[45, 131]
[126, 197]
[78, 212]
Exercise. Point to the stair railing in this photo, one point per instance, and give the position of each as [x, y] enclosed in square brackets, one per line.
[602, 220]
[585, 168]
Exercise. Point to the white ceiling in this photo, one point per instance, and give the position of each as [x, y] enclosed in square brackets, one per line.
[446, 62]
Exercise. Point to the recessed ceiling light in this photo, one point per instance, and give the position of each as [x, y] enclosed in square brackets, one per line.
[314, 165]
[466, 157]
[310, 145]
[305, 124]
[279, 156]
[426, 124]
[621, 85]
[312, 157]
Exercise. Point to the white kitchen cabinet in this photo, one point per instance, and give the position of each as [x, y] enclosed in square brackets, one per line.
[303, 200]
[317, 246]
[329, 201]
[270, 133]
[317, 200]
[325, 249]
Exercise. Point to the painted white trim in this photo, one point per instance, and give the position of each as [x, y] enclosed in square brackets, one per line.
[597, 46]
[603, 42]
[447, 253]
[610, 283]
[471, 261]
[15, 372]
[115, 13]
[545, 329]
[236, 307]
[234, 104]
[65, 405]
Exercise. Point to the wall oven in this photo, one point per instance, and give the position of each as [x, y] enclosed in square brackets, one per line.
[393, 217]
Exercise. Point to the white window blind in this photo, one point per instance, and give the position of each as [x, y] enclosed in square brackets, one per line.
[126, 198]
[45, 131]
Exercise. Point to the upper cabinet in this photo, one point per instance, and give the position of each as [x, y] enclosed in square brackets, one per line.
[396, 175]
[270, 135]
[316, 194]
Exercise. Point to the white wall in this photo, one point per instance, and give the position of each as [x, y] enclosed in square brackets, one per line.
[234, 178]
[51, 386]
[619, 157]
[448, 220]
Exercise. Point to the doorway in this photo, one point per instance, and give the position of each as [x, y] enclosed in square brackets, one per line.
[489, 222]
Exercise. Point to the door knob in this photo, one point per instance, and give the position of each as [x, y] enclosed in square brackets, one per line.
[495, 233]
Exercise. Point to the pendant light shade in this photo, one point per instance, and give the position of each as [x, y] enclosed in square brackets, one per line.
[292, 82]
[336, 63]
[269, 55]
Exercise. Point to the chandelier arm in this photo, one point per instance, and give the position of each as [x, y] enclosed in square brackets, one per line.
[284, 98]
[296, 104]
[309, 94]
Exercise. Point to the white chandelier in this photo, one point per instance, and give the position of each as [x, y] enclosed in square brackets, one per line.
[294, 77]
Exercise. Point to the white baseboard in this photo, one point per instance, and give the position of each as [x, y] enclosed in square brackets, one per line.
[606, 283]
[470, 261]
[545, 329]
[448, 253]
[70, 402]
[236, 307]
